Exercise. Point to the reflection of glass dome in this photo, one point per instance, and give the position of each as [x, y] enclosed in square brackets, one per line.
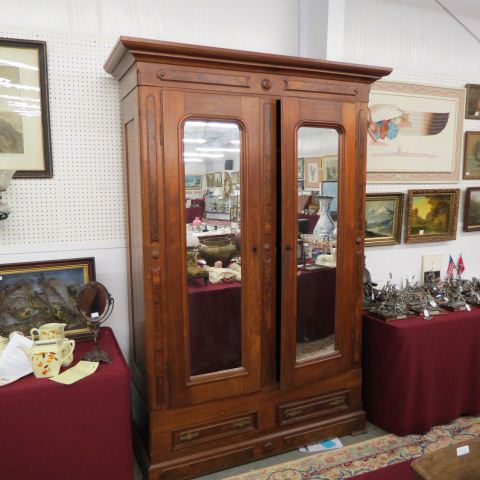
[325, 225]
[5, 178]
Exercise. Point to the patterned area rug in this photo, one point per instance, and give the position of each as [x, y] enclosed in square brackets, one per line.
[369, 455]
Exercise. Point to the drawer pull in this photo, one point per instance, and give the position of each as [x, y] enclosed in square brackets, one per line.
[337, 402]
[244, 422]
[186, 437]
[293, 413]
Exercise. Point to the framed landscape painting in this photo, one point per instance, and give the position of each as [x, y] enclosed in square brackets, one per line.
[330, 168]
[432, 215]
[414, 133]
[383, 218]
[471, 214]
[32, 294]
[25, 144]
[471, 156]
[193, 182]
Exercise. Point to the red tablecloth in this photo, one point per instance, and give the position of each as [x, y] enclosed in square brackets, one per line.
[193, 212]
[419, 373]
[312, 220]
[76, 432]
[397, 471]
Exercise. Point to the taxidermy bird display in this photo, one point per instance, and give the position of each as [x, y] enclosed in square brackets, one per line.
[388, 121]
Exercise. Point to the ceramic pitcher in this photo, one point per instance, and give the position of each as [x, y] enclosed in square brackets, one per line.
[49, 331]
[47, 356]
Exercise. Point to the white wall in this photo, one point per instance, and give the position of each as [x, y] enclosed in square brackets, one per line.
[80, 212]
[423, 44]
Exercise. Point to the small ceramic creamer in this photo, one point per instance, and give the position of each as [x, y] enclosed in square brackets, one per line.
[49, 331]
[47, 356]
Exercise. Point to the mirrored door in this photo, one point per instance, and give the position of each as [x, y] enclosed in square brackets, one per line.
[318, 227]
[212, 158]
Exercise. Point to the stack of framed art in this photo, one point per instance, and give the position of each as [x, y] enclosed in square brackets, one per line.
[415, 135]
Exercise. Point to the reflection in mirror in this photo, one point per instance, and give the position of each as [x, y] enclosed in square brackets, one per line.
[317, 209]
[95, 304]
[211, 154]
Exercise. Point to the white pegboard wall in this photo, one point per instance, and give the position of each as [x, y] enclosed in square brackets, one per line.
[84, 201]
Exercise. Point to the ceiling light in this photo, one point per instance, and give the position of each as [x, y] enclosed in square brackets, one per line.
[213, 149]
[194, 140]
[235, 142]
[193, 159]
[207, 155]
[211, 124]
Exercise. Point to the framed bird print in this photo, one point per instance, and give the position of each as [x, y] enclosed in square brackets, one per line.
[414, 133]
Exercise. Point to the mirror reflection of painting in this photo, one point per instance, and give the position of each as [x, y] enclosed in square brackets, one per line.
[11, 123]
[213, 244]
[473, 102]
[317, 189]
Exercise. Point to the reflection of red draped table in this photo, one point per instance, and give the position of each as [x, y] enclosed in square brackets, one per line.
[79, 431]
[316, 304]
[420, 373]
[312, 220]
[215, 320]
[193, 212]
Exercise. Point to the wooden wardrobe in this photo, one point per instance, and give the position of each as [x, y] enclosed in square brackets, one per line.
[268, 358]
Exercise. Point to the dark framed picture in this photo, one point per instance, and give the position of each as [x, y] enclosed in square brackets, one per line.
[472, 105]
[471, 212]
[25, 144]
[300, 169]
[383, 218]
[218, 179]
[32, 294]
[471, 156]
[431, 215]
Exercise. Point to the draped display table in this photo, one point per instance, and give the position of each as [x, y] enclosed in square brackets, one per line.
[419, 373]
[215, 318]
[75, 432]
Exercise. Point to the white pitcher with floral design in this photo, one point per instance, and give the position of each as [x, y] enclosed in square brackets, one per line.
[47, 356]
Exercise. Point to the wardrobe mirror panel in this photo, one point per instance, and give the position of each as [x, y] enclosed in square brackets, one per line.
[212, 155]
[317, 211]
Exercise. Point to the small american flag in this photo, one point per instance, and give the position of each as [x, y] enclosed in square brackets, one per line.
[460, 265]
[451, 267]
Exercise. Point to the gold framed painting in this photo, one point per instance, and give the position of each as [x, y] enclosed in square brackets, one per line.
[431, 215]
[414, 133]
[471, 156]
[383, 218]
[330, 168]
[35, 293]
[25, 144]
[471, 212]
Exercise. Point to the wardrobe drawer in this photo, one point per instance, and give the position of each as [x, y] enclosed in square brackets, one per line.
[303, 410]
[209, 432]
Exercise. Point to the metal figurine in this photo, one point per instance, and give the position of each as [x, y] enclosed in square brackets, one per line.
[453, 299]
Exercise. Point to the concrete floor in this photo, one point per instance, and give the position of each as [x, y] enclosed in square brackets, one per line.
[371, 432]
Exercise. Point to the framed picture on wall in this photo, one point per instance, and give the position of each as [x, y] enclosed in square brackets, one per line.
[472, 105]
[471, 212]
[312, 172]
[218, 179]
[210, 180]
[471, 156]
[383, 218]
[414, 133]
[193, 182]
[300, 169]
[235, 176]
[35, 293]
[431, 215]
[330, 168]
[25, 144]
